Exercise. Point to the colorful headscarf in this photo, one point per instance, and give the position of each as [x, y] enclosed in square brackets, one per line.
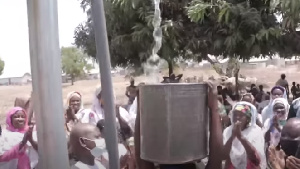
[244, 109]
[70, 95]
[9, 125]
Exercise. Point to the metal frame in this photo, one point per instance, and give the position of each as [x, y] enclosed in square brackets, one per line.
[47, 89]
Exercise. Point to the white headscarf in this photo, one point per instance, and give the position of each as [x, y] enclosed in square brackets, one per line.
[275, 134]
[253, 134]
[70, 95]
[267, 112]
[97, 108]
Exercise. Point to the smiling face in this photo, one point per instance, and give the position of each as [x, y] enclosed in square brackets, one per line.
[75, 102]
[18, 120]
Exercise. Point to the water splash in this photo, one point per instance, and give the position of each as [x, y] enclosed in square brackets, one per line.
[154, 62]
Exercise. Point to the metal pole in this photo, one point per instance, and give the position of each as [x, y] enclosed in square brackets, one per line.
[103, 57]
[46, 75]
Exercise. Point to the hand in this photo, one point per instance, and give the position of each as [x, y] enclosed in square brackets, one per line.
[276, 158]
[24, 141]
[292, 162]
[124, 160]
[212, 95]
[70, 115]
[236, 131]
[275, 122]
[29, 133]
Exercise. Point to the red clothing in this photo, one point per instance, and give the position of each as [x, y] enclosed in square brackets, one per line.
[15, 153]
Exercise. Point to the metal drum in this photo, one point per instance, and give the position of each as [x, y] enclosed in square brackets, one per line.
[174, 122]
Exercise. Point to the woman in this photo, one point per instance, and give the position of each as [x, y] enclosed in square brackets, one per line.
[18, 146]
[276, 92]
[244, 140]
[76, 112]
[248, 97]
[274, 125]
[123, 117]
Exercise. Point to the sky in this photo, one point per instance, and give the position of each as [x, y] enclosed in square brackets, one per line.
[14, 42]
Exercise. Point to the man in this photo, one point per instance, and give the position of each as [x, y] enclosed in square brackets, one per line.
[131, 91]
[289, 147]
[293, 90]
[82, 142]
[284, 83]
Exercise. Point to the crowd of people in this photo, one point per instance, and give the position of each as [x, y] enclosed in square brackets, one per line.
[252, 130]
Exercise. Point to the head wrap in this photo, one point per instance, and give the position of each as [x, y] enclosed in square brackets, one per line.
[247, 108]
[244, 109]
[268, 111]
[282, 101]
[70, 95]
[9, 125]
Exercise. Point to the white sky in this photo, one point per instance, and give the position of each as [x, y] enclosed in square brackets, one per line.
[14, 43]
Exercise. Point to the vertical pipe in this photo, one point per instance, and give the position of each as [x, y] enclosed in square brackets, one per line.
[46, 75]
[103, 57]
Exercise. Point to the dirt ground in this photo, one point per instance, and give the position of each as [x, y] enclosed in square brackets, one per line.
[266, 76]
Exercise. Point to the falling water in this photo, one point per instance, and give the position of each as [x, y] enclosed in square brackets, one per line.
[154, 62]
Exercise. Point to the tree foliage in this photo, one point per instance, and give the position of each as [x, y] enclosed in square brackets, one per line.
[239, 29]
[129, 26]
[74, 62]
[235, 28]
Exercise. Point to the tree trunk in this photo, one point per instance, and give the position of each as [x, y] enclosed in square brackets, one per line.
[216, 66]
[72, 80]
[236, 75]
[170, 65]
[231, 66]
[233, 69]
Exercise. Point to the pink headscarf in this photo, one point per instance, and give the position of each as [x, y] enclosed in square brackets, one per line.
[9, 125]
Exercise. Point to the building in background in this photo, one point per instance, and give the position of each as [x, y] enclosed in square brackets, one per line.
[16, 80]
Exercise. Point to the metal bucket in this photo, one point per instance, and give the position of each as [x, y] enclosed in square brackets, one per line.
[174, 123]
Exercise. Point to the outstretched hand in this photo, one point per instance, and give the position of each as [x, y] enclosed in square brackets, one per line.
[292, 162]
[276, 158]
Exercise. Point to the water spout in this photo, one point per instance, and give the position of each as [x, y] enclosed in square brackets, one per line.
[154, 62]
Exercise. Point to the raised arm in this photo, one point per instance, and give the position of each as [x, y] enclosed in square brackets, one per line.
[216, 137]
[252, 154]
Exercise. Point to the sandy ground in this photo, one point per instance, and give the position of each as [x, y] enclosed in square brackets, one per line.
[266, 76]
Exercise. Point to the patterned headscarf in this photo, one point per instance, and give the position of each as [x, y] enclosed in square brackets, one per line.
[9, 125]
[248, 108]
[244, 109]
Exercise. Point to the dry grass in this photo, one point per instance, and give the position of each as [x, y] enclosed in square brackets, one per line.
[86, 88]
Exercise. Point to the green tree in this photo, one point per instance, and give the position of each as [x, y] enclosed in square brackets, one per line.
[2, 64]
[238, 29]
[74, 62]
[129, 28]
[289, 13]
